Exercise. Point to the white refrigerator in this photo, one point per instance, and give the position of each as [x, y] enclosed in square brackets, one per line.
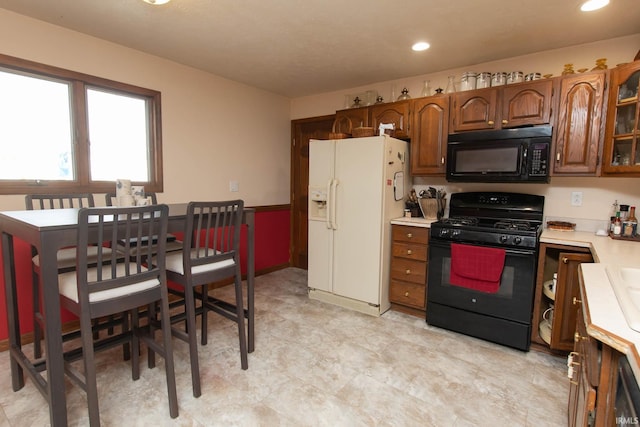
[356, 187]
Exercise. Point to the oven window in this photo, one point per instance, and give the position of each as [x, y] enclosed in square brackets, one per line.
[506, 280]
[514, 299]
[503, 159]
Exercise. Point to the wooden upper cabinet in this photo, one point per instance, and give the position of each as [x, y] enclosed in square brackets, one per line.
[392, 112]
[474, 110]
[429, 130]
[501, 107]
[526, 103]
[621, 153]
[579, 125]
[351, 118]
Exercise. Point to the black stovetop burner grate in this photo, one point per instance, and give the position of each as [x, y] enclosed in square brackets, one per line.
[515, 225]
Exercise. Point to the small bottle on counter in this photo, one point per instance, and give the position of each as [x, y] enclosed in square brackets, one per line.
[624, 212]
[630, 225]
[617, 225]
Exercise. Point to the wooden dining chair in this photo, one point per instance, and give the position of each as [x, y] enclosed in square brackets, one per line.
[116, 285]
[66, 257]
[210, 254]
[173, 244]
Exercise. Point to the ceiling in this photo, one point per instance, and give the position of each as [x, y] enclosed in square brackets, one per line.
[304, 47]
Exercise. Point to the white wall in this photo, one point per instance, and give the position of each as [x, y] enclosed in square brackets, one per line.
[214, 130]
[598, 193]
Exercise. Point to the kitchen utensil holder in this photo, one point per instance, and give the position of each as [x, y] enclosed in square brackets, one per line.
[429, 208]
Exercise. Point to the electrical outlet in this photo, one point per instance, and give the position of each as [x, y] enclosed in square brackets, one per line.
[234, 186]
[576, 198]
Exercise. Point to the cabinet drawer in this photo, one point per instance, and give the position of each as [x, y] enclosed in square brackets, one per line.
[410, 251]
[409, 294]
[405, 233]
[409, 270]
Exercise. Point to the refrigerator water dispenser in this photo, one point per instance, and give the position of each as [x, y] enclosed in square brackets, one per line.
[318, 203]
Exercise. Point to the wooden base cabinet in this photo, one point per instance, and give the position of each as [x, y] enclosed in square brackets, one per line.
[408, 285]
[554, 312]
[593, 376]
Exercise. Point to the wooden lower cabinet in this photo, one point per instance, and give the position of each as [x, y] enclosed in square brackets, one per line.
[409, 255]
[554, 313]
[593, 376]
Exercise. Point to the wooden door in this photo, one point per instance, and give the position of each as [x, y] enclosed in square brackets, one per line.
[568, 288]
[430, 128]
[301, 132]
[577, 134]
[474, 110]
[393, 112]
[526, 103]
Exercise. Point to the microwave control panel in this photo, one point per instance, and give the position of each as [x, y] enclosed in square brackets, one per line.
[539, 159]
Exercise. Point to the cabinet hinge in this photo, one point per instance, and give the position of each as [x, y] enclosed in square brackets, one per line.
[294, 142]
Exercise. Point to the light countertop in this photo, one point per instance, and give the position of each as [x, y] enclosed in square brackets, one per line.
[603, 315]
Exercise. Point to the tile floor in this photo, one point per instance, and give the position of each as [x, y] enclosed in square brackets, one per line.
[320, 365]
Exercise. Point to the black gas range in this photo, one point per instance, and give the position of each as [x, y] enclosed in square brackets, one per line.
[508, 224]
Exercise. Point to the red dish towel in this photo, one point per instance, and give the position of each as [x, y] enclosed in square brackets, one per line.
[477, 268]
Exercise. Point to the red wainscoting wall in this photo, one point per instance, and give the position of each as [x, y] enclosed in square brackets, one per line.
[272, 230]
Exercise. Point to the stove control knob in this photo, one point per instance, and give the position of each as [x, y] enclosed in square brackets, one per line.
[503, 239]
[455, 233]
[444, 232]
[517, 240]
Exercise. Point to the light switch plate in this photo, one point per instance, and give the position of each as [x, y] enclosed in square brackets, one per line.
[234, 186]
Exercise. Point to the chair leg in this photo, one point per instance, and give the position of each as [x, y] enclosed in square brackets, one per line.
[165, 324]
[152, 318]
[240, 315]
[190, 310]
[205, 294]
[91, 386]
[135, 343]
[37, 330]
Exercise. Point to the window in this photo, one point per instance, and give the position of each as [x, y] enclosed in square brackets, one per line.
[62, 131]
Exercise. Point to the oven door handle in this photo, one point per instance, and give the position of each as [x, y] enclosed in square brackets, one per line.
[446, 244]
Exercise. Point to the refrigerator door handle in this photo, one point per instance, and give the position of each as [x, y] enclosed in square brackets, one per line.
[334, 192]
[327, 218]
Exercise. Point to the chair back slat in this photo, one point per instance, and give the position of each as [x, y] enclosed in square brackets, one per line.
[128, 226]
[212, 232]
[59, 201]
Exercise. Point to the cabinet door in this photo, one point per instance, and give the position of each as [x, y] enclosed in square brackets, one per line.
[430, 128]
[346, 120]
[526, 103]
[474, 110]
[621, 155]
[393, 112]
[577, 132]
[567, 294]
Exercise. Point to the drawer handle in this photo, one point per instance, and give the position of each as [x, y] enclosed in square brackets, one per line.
[577, 337]
[442, 161]
[408, 271]
[490, 122]
[504, 122]
[565, 260]
[576, 301]
[409, 252]
[409, 235]
[406, 294]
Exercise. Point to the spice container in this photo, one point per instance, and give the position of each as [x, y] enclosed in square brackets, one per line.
[483, 80]
[515, 77]
[630, 225]
[617, 225]
[468, 81]
[532, 76]
[498, 79]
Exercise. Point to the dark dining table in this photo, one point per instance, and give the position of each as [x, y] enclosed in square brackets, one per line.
[48, 231]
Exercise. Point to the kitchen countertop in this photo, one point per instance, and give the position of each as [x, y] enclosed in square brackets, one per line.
[603, 315]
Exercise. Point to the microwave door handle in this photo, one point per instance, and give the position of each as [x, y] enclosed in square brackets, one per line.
[525, 162]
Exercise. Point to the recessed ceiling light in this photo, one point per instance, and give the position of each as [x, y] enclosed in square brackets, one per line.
[420, 46]
[590, 5]
[156, 2]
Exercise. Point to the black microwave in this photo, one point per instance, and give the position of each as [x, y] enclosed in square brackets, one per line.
[507, 155]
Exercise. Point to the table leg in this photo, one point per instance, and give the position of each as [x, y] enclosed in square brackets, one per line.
[53, 333]
[13, 320]
[251, 272]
